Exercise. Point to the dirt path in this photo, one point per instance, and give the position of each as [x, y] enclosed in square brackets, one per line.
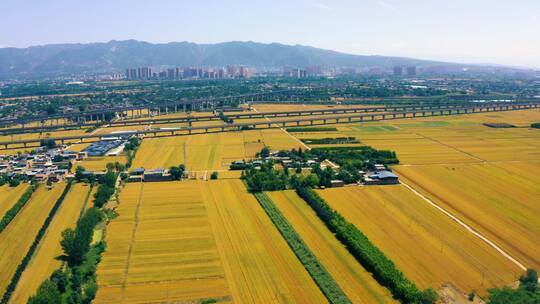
[285, 131]
[467, 227]
[133, 232]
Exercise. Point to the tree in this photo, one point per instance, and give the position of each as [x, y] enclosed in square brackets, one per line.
[79, 173]
[47, 143]
[214, 175]
[47, 294]
[265, 152]
[57, 158]
[59, 278]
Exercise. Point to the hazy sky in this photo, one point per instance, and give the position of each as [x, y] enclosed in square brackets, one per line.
[478, 31]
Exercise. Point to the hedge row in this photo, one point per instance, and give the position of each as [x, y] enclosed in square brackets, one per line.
[536, 125]
[33, 247]
[373, 259]
[311, 129]
[12, 212]
[324, 280]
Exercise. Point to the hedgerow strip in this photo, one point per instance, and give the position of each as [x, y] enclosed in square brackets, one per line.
[322, 278]
[13, 211]
[22, 266]
[366, 253]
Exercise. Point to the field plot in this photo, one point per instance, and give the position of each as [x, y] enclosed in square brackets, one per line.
[259, 265]
[160, 248]
[45, 261]
[354, 280]
[9, 196]
[498, 199]
[213, 151]
[451, 139]
[427, 246]
[99, 163]
[20, 233]
[180, 241]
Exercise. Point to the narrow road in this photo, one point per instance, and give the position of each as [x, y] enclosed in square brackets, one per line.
[467, 227]
[285, 131]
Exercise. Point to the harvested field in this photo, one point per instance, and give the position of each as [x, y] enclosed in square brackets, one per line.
[179, 241]
[16, 239]
[499, 199]
[354, 280]
[427, 246]
[9, 196]
[45, 260]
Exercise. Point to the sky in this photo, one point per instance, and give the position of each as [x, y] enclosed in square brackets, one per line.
[469, 31]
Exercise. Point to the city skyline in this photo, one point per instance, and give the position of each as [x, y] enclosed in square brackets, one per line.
[481, 32]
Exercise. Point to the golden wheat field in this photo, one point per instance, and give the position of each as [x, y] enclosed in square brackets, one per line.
[160, 248]
[450, 139]
[258, 263]
[213, 151]
[354, 280]
[499, 199]
[430, 248]
[9, 196]
[189, 241]
[99, 163]
[16, 239]
[45, 259]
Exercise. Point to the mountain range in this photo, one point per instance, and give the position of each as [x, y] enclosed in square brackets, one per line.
[115, 56]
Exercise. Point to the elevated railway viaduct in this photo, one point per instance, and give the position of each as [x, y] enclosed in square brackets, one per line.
[138, 110]
[239, 116]
[333, 119]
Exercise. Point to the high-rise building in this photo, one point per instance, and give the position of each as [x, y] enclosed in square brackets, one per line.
[243, 72]
[411, 71]
[398, 70]
[170, 73]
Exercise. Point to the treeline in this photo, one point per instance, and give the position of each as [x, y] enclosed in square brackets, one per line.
[536, 125]
[311, 129]
[75, 283]
[106, 188]
[12, 212]
[320, 275]
[527, 292]
[131, 149]
[373, 259]
[266, 178]
[22, 266]
[330, 140]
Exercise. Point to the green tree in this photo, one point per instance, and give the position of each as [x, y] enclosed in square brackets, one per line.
[47, 294]
[214, 175]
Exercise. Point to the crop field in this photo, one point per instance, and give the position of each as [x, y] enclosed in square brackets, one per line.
[451, 139]
[260, 266]
[99, 163]
[160, 248]
[354, 280]
[45, 261]
[213, 151]
[20, 233]
[499, 199]
[9, 196]
[179, 241]
[430, 248]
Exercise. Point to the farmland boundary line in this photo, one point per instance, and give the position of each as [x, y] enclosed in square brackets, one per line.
[467, 227]
[324, 280]
[285, 131]
[130, 250]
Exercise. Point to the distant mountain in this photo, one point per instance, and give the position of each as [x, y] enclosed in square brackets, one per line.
[64, 59]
